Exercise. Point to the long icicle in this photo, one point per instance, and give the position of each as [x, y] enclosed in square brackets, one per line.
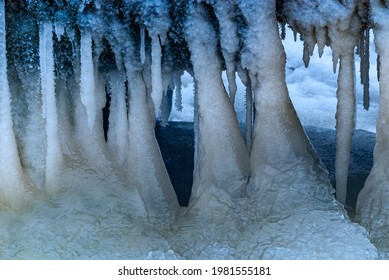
[365, 66]
[249, 113]
[156, 75]
[345, 122]
[54, 152]
[343, 43]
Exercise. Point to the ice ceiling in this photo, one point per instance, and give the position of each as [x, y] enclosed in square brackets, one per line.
[67, 192]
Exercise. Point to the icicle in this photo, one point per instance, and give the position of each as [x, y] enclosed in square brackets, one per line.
[343, 42]
[364, 66]
[156, 75]
[306, 56]
[249, 113]
[283, 31]
[335, 58]
[229, 42]
[59, 30]
[378, 67]
[166, 107]
[87, 80]
[12, 182]
[178, 84]
[142, 44]
[54, 152]
[345, 122]
[321, 38]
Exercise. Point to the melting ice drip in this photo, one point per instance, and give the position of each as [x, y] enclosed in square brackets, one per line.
[134, 53]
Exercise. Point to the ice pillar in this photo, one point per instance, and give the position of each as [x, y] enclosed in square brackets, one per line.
[87, 80]
[343, 41]
[143, 163]
[13, 184]
[53, 149]
[373, 200]
[223, 165]
[278, 137]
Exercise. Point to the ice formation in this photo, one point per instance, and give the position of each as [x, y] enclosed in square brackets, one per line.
[264, 194]
[372, 204]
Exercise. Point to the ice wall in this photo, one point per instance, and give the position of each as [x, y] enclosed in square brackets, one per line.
[74, 59]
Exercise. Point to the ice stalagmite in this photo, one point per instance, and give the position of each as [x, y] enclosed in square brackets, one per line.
[222, 166]
[278, 138]
[373, 200]
[54, 152]
[343, 41]
[13, 184]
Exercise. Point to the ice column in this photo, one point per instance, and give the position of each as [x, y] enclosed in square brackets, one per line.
[87, 82]
[278, 138]
[144, 163]
[373, 200]
[13, 184]
[54, 152]
[222, 168]
[343, 42]
[118, 123]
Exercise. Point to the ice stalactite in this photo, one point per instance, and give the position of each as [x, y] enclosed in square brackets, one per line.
[54, 151]
[142, 44]
[245, 78]
[249, 114]
[229, 41]
[278, 138]
[118, 123]
[14, 185]
[87, 79]
[364, 53]
[321, 37]
[343, 42]
[373, 200]
[222, 166]
[156, 73]
[178, 85]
